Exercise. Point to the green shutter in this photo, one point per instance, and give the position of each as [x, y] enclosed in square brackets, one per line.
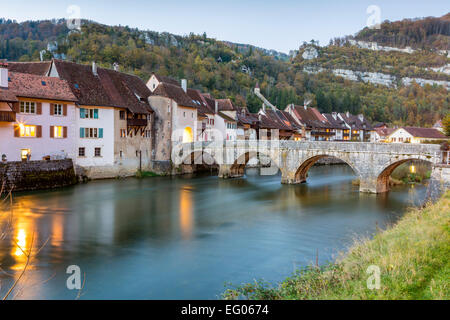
[81, 132]
[82, 113]
[100, 132]
[95, 113]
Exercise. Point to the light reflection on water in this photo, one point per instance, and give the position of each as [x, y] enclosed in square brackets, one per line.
[175, 238]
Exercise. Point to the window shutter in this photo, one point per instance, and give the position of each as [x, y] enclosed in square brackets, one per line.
[39, 108]
[52, 109]
[64, 132]
[16, 131]
[95, 113]
[38, 131]
[100, 132]
[64, 109]
[81, 132]
[82, 113]
[52, 131]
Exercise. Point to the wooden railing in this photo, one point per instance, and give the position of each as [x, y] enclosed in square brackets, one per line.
[7, 116]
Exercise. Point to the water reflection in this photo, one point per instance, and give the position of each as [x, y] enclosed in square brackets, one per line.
[131, 237]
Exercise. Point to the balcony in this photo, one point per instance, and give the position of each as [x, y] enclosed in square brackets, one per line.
[137, 122]
[7, 116]
[322, 133]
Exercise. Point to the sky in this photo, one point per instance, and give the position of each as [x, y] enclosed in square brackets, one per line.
[282, 25]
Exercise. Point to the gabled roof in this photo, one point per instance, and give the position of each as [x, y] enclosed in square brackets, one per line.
[36, 68]
[430, 133]
[109, 88]
[310, 118]
[335, 123]
[355, 122]
[37, 87]
[226, 105]
[384, 132]
[281, 120]
[165, 79]
[174, 92]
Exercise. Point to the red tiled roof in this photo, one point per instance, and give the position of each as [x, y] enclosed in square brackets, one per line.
[310, 118]
[39, 87]
[430, 133]
[36, 68]
[384, 132]
[7, 95]
[200, 101]
[174, 92]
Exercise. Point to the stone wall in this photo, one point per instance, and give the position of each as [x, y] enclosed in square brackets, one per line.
[34, 175]
[439, 182]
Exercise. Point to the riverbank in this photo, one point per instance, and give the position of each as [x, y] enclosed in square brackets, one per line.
[412, 257]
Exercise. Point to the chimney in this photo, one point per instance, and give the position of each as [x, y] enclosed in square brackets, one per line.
[4, 75]
[116, 66]
[347, 114]
[217, 106]
[94, 68]
[184, 85]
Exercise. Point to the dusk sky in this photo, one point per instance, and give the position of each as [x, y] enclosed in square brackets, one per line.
[281, 25]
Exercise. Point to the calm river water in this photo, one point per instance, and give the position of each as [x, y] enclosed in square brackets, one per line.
[184, 238]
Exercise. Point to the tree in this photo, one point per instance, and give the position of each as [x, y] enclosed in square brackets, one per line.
[446, 125]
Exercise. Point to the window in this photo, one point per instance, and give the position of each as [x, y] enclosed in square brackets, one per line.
[28, 131]
[58, 109]
[98, 152]
[81, 152]
[184, 114]
[58, 132]
[25, 153]
[122, 115]
[91, 133]
[88, 113]
[121, 154]
[147, 134]
[123, 133]
[27, 107]
[192, 115]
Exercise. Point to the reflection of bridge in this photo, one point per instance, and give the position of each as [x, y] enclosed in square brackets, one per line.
[372, 162]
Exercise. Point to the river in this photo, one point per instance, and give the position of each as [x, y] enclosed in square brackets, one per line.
[186, 237]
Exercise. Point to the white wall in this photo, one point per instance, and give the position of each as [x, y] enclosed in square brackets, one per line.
[44, 146]
[106, 121]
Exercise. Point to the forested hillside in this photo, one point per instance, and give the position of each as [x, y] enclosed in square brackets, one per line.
[230, 70]
[427, 33]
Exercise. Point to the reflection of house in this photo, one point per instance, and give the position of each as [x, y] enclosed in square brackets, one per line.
[37, 117]
[415, 135]
[175, 114]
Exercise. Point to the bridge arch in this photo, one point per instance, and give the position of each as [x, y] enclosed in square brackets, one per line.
[301, 174]
[383, 178]
[197, 160]
[237, 169]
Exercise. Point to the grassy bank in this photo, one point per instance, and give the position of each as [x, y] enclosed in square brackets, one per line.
[413, 257]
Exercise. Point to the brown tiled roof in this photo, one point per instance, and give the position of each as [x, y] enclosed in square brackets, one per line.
[39, 87]
[167, 80]
[36, 68]
[282, 121]
[200, 101]
[226, 105]
[384, 132]
[109, 88]
[174, 92]
[335, 123]
[430, 133]
[356, 123]
[7, 95]
[310, 118]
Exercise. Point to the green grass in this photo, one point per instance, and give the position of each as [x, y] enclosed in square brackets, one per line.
[413, 257]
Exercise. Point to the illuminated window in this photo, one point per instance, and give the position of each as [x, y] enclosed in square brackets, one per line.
[27, 107]
[123, 133]
[27, 131]
[58, 132]
[58, 109]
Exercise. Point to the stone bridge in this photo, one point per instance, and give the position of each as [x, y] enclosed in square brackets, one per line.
[373, 163]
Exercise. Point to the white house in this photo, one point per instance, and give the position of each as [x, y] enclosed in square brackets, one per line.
[415, 135]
